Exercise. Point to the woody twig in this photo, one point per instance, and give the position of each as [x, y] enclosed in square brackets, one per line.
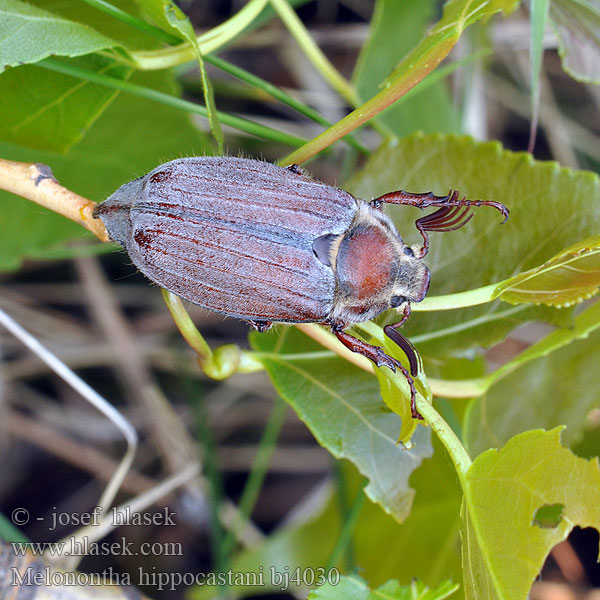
[35, 182]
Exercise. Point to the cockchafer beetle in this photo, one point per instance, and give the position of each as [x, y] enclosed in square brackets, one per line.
[263, 243]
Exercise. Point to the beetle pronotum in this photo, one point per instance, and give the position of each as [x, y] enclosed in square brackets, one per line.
[263, 243]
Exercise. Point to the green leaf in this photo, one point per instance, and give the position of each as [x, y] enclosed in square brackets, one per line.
[353, 587]
[343, 408]
[350, 587]
[509, 486]
[57, 110]
[577, 24]
[396, 28]
[560, 387]
[92, 16]
[425, 546]
[167, 16]
[551, 208]
[45, 34]
[399, 403]
[94, 168]
[567, 278]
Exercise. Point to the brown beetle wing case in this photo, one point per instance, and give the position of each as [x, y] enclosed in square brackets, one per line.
[232, 235]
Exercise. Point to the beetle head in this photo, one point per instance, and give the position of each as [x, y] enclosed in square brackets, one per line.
[374, 269]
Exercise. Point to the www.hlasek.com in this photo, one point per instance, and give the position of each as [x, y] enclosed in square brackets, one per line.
[161, 580]
[75, 546]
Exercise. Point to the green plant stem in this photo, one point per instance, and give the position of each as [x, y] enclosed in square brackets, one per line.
[468, 324]
[295, 26]
[423, 59]
[227, 67]
[458, 454]
[439, 387]
[459, 388]
[181, 23]
[585, 322]
[348, 529]
[280, 95]
[326, 339]
[239, 123]
[225, 360]
[460, 300]
[342, 496]
[259, 470]
[208, 93]
[269, 88]
[208, 42]
[449, 439]
[209, 460]
[186, 327]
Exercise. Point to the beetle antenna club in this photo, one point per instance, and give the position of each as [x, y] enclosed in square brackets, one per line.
[414, 360]
[262, 243]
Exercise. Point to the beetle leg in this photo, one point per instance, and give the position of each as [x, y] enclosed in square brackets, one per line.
[374, 353]
[297, 169]
[380, 358]
[261, 325]
[415, 414]
[448, 218]
[405, 315]
[427, 199]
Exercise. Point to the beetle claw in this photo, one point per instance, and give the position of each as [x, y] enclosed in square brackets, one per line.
[261, 325]
[383, 360]
[296, 169]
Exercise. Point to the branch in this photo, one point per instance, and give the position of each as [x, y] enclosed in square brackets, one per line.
[35, 182]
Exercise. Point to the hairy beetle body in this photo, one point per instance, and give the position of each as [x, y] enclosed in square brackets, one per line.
[254, 241]
[232, 235]
[238, 236]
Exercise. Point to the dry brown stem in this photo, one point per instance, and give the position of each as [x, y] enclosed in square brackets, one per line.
[35, 182]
